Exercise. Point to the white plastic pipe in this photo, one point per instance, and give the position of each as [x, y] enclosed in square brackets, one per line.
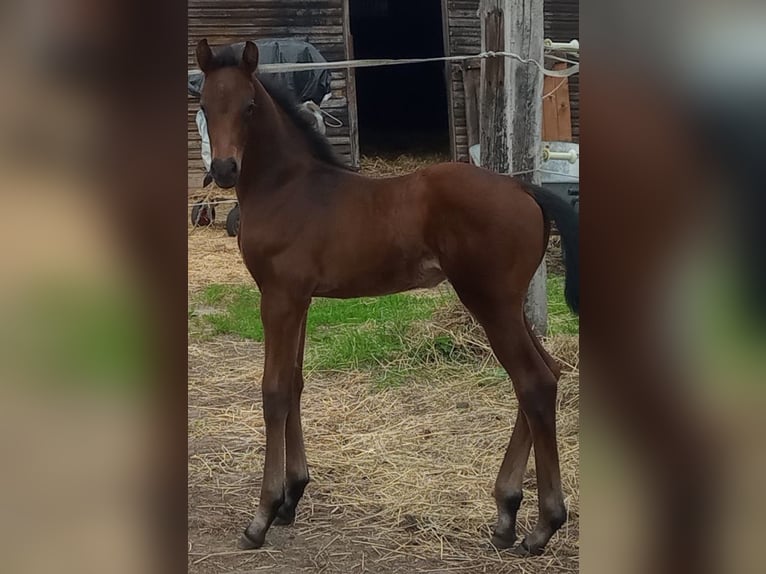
[571, 46]
[571, 156]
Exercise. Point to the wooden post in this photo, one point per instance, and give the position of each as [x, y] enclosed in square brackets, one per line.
[511, 109]
[471, 91]
[353, 110]
[493, 111]
[524, 36]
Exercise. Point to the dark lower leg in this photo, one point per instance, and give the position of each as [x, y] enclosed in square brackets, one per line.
[540, 408]
[509, 481]
[282, 320]
[275, 408]
[297, 471]
[535, 385]
[296, 467]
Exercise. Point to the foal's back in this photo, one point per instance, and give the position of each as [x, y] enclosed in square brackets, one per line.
[415, 230]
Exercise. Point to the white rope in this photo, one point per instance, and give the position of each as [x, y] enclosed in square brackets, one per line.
[560, 59]
[575, 178]
[349, 64]
[554, 90]
[514, 174]
[336, 123]
[208, 203]
[549, 172]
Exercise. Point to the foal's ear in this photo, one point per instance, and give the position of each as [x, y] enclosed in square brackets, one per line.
[250, 58]
[204, 56]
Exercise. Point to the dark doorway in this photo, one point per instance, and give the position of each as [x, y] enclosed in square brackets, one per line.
[400, 108]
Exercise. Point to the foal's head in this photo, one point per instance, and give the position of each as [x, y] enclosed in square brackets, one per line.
[227, 101]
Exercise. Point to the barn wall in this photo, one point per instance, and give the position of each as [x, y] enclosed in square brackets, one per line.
[320, 22]
[464, 40]
[561, 21]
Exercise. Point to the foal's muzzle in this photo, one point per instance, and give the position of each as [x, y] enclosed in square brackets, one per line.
[224, 172]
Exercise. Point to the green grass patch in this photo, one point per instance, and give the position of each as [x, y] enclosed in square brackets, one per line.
[341, 334]
[561, 321]
[366, 333]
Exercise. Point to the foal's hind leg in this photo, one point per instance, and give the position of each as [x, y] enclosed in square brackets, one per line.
[552, 363]
[507, 491]
[508, 486]
[535, 385]
[297, 470]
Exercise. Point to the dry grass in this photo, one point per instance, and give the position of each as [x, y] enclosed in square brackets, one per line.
[407, 471]
[214, 257]
[211, 193]
[403, 164]
[470, 340]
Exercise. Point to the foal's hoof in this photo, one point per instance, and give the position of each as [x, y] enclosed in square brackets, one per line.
[524, 551]
[250, 542]
[502, 542]
[284, 519]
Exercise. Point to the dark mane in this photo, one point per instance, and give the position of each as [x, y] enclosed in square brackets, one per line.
[227, 56]
[320, 146]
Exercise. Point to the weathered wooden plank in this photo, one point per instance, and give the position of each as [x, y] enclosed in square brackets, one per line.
[289, 4]
[525, 37]
[472, 94]
[557, 120]
[494, 118]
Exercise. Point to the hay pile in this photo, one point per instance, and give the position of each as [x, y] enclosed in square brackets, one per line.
[214, 258]
[468, 342]
[406, 472]
[383, 166]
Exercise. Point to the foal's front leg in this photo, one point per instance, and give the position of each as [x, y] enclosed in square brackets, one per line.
[282, 316]
[296, 466]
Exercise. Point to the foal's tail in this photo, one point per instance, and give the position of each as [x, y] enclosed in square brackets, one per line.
[566, 219]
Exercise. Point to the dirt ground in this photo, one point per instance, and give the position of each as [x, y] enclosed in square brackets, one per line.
[401, 477]
[365, 449]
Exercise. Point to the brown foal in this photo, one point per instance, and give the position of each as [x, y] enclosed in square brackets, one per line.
[310, 227]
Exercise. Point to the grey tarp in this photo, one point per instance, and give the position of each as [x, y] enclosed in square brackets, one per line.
[311, 85]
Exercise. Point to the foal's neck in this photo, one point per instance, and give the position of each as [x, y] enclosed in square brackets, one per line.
[276, 150]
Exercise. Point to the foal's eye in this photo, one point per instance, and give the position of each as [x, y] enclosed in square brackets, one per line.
[249, 109]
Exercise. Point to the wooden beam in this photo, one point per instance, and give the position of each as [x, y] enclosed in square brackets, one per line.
[511, 109]
[471, 90]
[525, 37]
[353, 110]
[494, 109]
[448, 79]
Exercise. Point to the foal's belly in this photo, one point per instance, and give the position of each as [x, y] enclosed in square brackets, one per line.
[421, 274]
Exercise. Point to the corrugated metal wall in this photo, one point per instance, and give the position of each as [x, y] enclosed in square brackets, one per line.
[228, 21]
